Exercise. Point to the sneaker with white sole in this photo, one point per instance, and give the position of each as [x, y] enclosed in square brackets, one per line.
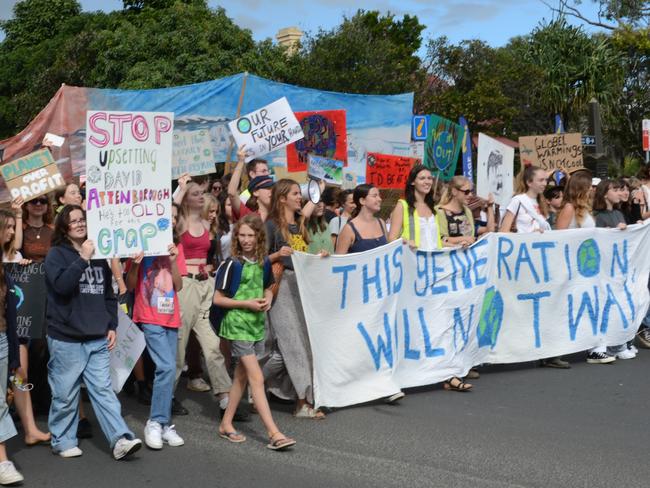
[625, 354]
[600, 358]
[643, 338]
[633, 348]
[198, 384]
[9, 474]
[125, 447]
[170, 436]
[70, 453]
[395, 397]
[153, 435]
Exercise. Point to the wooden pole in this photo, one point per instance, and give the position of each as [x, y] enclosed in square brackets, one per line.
[228, 168]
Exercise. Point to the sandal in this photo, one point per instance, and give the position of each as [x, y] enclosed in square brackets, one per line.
[233, 436]
[307, 412]
[473, 374]
[280, 444]
[456, 384]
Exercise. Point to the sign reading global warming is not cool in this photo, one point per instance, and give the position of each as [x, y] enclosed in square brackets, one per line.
[266, 129]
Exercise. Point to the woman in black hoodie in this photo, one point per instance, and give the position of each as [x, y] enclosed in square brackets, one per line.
[81, 323]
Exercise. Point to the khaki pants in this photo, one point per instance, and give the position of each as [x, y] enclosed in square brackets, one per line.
[195, 299]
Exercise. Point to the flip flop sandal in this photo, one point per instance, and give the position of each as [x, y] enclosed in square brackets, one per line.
[461, 386]
[280, 444]
[234, 436]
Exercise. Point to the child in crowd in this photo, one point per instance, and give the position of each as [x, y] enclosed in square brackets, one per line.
[243, 288]
[157, 281]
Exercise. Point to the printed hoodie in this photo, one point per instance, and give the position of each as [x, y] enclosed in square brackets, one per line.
[81, 304]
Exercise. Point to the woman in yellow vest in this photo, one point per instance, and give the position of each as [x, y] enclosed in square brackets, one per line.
[414, 217]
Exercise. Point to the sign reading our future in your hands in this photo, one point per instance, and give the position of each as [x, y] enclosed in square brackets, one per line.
[128, 170]
[266, 129]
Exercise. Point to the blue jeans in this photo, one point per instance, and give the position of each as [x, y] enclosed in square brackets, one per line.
[7, 427]
[162, 343]
[71, 363]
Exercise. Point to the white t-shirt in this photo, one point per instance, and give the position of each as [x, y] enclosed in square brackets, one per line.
[336, 225]
[519, 206]
[428, 233]
[588, 222]
[17, 258]
[226, 241]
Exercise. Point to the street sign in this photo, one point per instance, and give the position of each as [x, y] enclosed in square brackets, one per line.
[588, 140]
[419, 127]
[646, 135]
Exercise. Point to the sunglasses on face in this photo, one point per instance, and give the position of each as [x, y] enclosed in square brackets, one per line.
[216, 188]
[466, 192]
[39, 201]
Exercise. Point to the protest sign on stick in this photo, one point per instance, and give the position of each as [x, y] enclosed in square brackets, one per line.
[33, 175]
[326, 169]
[266, 129]
[129, 345]
[386, 171]
[30, 289]
[128, 170]
[494, 165]
[325, 135]
[442, 147]
[192, 153]
[552, 151]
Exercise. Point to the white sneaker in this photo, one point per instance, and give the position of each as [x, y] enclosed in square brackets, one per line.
[125, 447]
[153, 435]
[170, 436]
[633, 348]
[198, 384]
[395, 397]
[9, 474]
[70, 453]
[625, 354]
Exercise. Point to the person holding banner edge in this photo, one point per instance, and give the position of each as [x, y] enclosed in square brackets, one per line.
[291, 352]
[364, 222]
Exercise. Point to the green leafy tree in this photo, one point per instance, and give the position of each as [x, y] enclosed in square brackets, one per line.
[367, 53]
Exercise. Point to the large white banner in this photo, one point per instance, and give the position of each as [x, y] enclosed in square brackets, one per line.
[128, 189]
[391, 318]
[494, 168]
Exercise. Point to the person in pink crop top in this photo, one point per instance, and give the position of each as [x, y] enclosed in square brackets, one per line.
[195, 296]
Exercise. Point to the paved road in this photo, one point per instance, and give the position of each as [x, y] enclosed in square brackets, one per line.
[523, 426]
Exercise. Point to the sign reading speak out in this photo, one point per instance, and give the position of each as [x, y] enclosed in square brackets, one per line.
[552, 151]
[33, 175]
[128, 170]
[266, 129]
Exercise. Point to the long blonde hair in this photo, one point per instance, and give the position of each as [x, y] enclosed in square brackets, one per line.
[456, 182]
[522, 179]
[281, 190]
[578, 194]
[209, 201]
[8, 249]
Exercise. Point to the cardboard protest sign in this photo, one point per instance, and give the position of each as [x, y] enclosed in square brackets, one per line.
[495, 167]
[387, 171]
[33, 175]
[552, 151]
[442, 147]
[266, 129]
[128, 348]
[421, 318]
[326, 169]
[29, 286]
[128, 195]
[325, 135]
[192, 153]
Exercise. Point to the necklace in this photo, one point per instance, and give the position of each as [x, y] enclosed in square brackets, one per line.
[39, 229]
